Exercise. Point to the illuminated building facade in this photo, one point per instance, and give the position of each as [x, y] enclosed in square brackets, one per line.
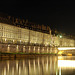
[17, 35]
[63, 42]
[23, 36]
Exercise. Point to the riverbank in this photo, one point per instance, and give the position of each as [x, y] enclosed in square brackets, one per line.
[23, 55]
[17, 48]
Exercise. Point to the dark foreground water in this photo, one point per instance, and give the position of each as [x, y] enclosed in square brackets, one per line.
[45, 65]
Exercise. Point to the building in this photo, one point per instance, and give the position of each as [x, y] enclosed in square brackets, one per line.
[19, 31]
[18, 35]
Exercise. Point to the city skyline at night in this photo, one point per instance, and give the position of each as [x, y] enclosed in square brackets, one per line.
[37, 37]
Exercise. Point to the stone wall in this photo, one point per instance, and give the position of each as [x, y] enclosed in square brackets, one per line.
[11, 48]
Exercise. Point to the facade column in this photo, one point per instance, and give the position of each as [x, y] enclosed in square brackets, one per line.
[29, 38]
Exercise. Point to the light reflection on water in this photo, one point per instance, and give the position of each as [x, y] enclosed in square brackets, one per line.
[45, 65]
[66, 65]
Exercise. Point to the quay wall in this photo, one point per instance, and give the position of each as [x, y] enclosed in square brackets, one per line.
[11, 48]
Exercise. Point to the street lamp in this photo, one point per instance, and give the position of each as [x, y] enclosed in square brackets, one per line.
[60, 36]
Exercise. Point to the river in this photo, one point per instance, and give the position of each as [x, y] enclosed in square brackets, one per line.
[43, 65]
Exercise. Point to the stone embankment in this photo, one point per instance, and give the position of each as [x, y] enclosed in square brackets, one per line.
[14, 56]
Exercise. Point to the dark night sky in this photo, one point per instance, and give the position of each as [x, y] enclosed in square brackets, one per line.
[56, 14]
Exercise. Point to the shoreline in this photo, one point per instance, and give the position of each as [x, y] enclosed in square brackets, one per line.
[20, 55]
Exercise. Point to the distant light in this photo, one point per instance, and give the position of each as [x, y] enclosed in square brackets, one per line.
[13, 40]
[60, 36]
[23, 46]
[20, 40]
[60, 52]
[5, 39]
[8, 45]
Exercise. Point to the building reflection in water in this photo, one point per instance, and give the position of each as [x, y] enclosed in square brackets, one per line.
[46, 65]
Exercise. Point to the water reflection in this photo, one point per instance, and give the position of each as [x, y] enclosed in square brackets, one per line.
[66, 65]
[45, 65]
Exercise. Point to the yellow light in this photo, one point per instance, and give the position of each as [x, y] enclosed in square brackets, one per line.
[34, 49]
[60, 52]
[60, 58]
[5, 39]
[69, 54]
[20, 40]
[60, 36]
[23, 46]
[17, 48]
[8, 45]
[13, 40]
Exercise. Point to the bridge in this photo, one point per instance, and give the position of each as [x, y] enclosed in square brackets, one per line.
[66, 50]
